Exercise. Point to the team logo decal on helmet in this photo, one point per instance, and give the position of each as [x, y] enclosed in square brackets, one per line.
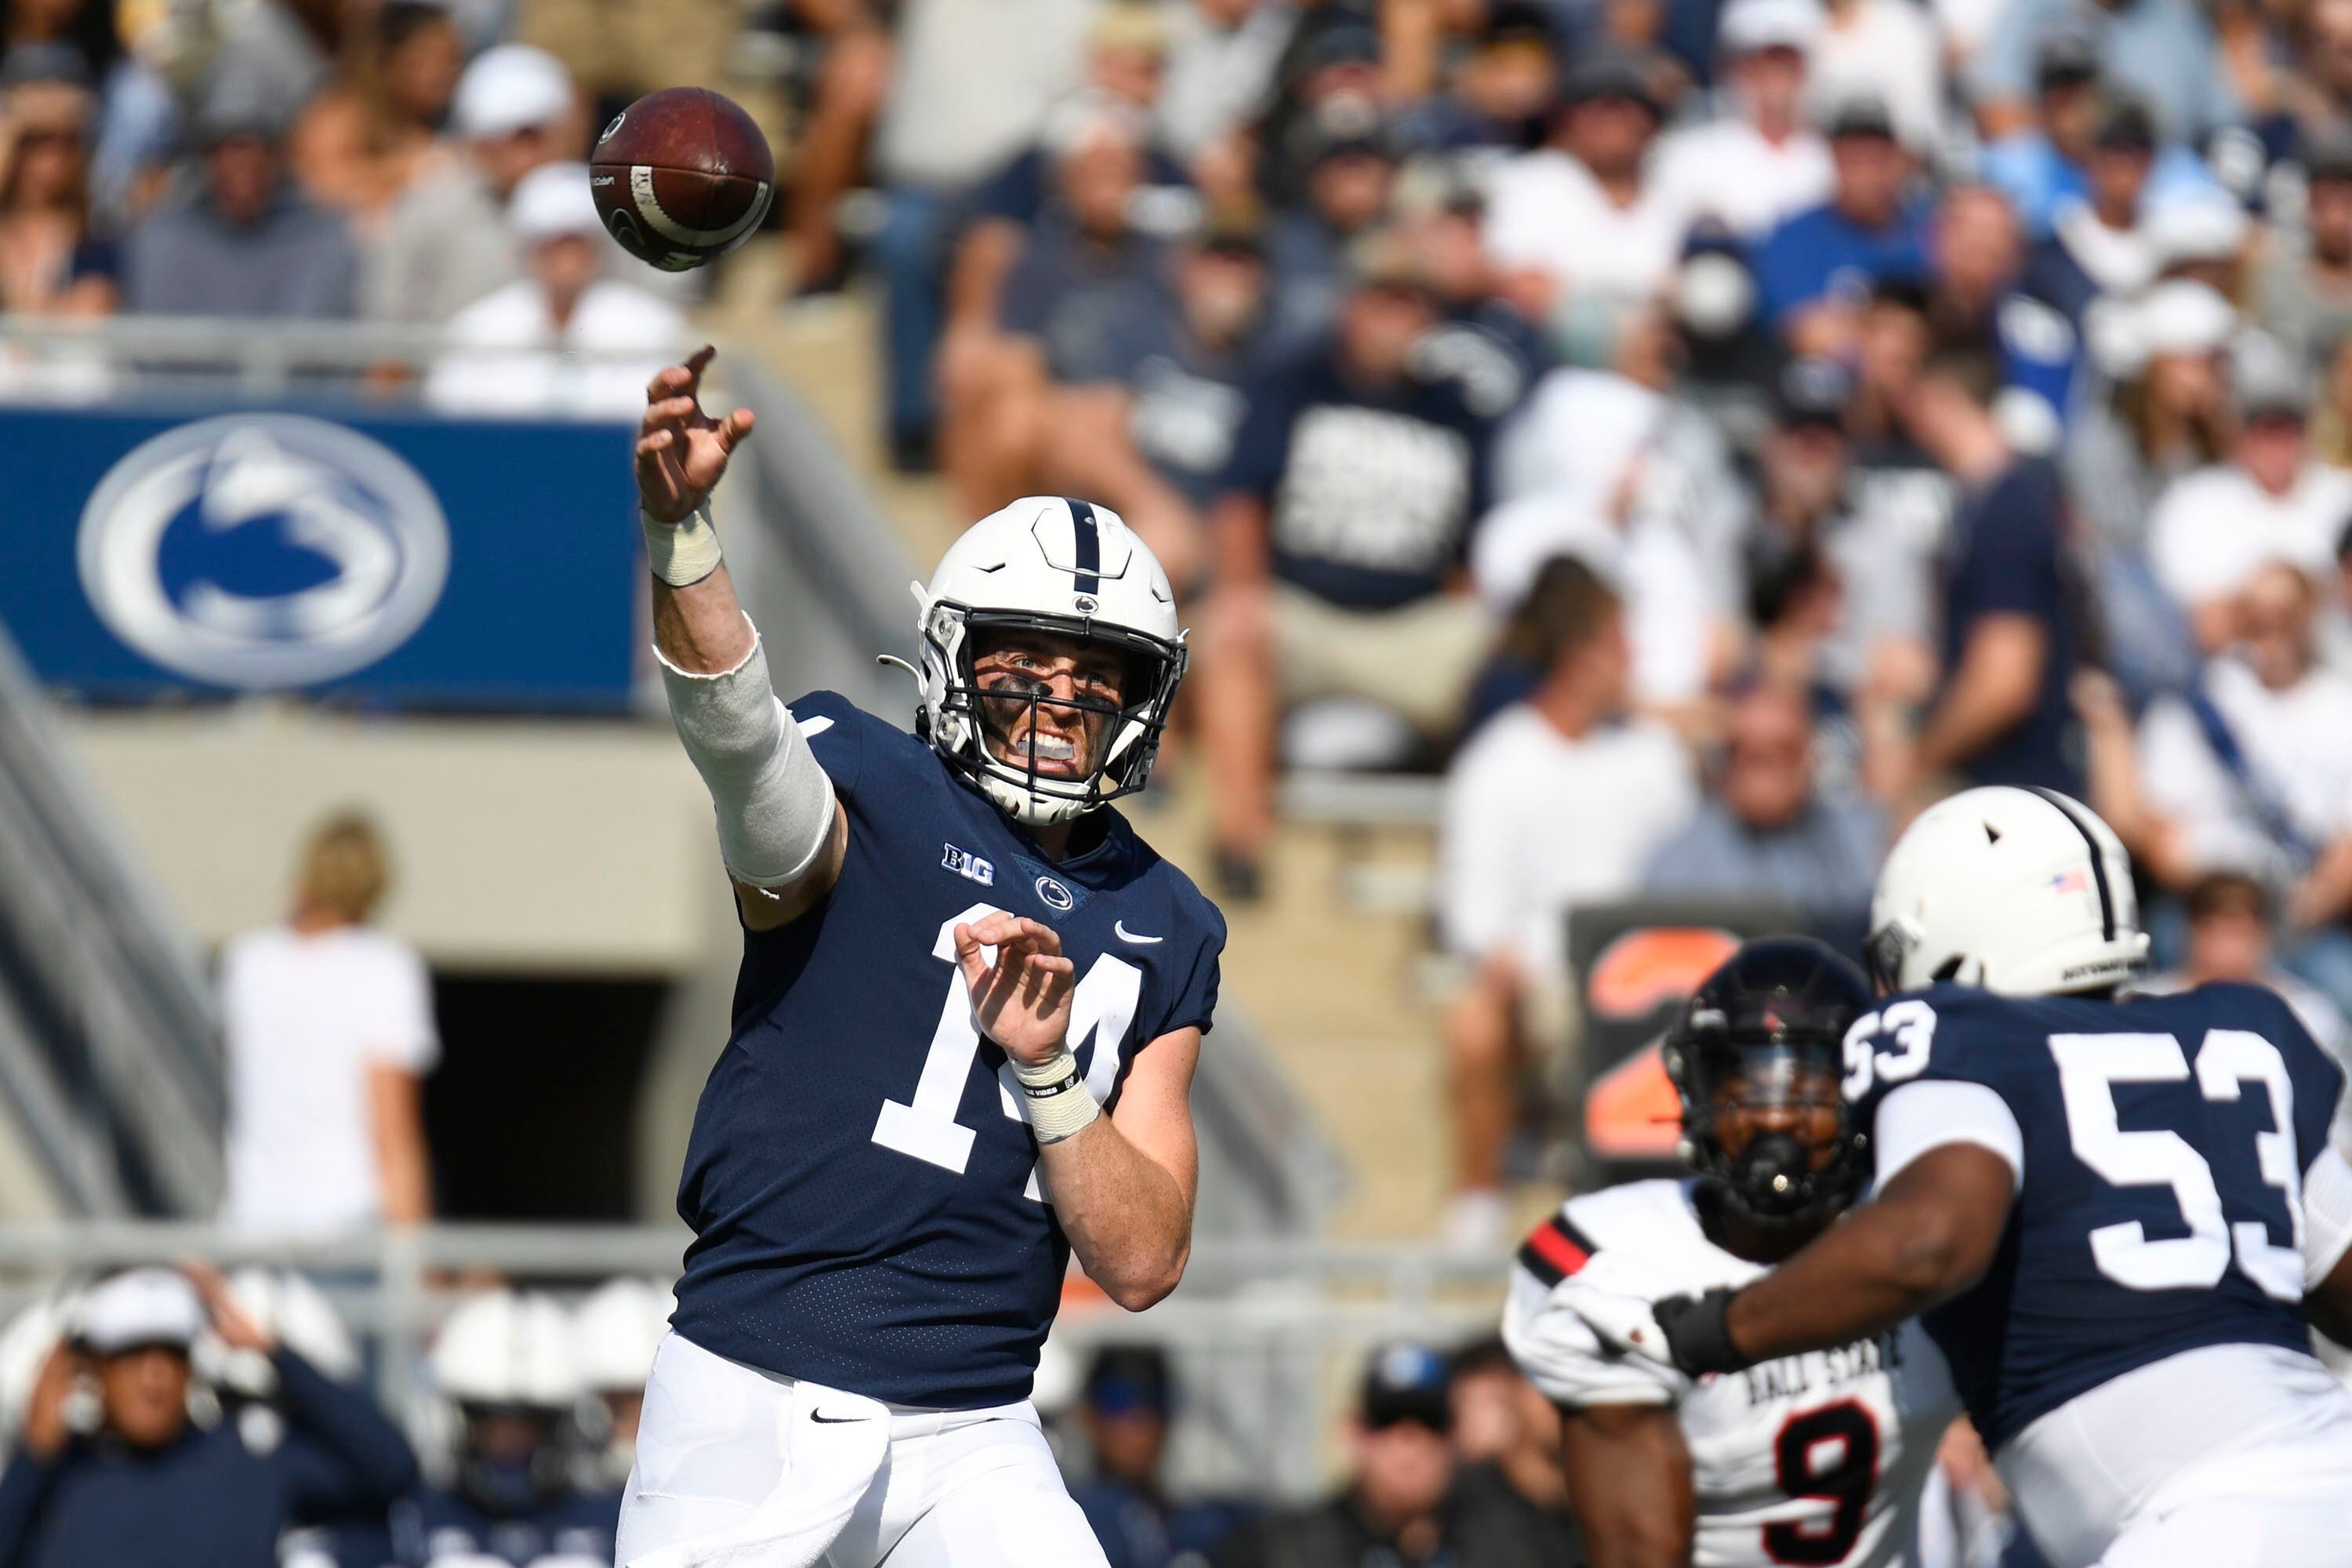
[1073, 569]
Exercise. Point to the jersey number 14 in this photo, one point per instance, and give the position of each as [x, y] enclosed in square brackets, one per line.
[926, 1126]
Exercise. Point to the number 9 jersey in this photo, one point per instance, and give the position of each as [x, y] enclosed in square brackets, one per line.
[861, 1185]
[2138, 1340]
[1816, 1458]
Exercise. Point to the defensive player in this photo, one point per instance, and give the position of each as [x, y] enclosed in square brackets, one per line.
[2119, 1216]
[969, 1006]
[1814, 1458]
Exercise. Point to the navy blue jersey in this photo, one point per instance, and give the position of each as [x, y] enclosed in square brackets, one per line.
[862, 1191]
[2160, 1209]
[439, 1524]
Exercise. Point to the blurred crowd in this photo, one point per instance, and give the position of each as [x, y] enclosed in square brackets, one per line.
[403, 163]
[1704, 432]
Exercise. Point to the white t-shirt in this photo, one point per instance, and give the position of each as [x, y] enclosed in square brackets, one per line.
[513, 360]
[305, 1017]
[1536, 823]
[2211, 531]
[2298, 747]
[1546, 213]
[1729, 171]
[1650, 560]
[1886, 49]
[1892, 1393]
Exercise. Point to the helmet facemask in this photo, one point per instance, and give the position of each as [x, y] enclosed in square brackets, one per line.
[973, 727]
[1763, 1120]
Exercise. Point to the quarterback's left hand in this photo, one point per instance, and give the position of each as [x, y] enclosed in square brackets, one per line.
[1022, 1000]
[1686, 1332]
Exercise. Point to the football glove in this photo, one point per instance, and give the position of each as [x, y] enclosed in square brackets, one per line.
[1686, 1332]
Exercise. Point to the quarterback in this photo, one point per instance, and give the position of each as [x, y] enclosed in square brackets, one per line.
[2119, 1216]
[1813, 1459]
[965, 1025]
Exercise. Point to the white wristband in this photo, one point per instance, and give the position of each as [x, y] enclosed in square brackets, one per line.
[1057, 1097]
[681, 554]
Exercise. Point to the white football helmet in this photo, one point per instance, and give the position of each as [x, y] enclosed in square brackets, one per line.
[616, 1329]
[2022, 892]
[507, 1348]
[1048, 564]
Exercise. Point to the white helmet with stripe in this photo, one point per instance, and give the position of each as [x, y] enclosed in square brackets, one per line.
[2022, 892]
[1048, 564]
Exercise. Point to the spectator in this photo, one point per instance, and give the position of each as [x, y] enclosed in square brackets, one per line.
[245, 243]
[448, 241]
[2253, 770]
[1580, 216]
[1977, 254]
[375, 126]
[564, 339]
[1602, 464]
[972, 82]
[1348, 171]
[273, 56]
[2211, 531]
[2098, 245]
[1129, 1396]
[622, 49]
[2163, 51]
[1895, 480]
[144, 1484]
[1517, 855]
[2166, 415]
[1339, 538]
[852, 42]
[1402, 1503]
[2303, 293]
[51, 264]
[505, 1361]
[2013, 610]
[1222, 59]
[330, 1030]
[615, 1333]
[1501, 90]
[2230, 936]
[1154, 435]
[1761, 164]
[1084, 272]
[1815, 270]
[1766, 832]
[1507, 1440]
[1881, 48]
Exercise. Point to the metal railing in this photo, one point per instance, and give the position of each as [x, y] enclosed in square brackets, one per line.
[1267, 1337]
[108, 1048]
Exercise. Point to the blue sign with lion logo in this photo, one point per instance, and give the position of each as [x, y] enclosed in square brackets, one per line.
[414, 562]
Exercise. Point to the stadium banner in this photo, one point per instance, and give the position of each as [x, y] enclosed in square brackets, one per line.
[1636, 964]
[370, 557]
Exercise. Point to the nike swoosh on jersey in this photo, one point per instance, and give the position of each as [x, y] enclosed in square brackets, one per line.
[836, 1420]
[1119, 928]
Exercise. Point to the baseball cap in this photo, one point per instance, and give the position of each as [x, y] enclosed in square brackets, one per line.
[2125, 122]
[1863, 114]
[2066, 58]
[2326, 154]
[1130, 24]
[2184, 317]
[1407, 1382]
[1517, 21]
[139, 1306]
[1130, 1380]
[1811, 391]
[1751, 27]
[553, 201]
[1347, 43]
[1606, 74]
[510, 87]
[2267, 381]
[2207, 227]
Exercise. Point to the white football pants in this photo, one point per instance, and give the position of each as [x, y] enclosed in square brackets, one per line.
[742, 1468]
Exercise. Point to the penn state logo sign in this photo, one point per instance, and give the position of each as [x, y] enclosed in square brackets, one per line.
[263, 550]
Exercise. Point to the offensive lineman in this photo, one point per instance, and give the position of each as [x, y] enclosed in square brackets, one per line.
[2119, 1214]
[1814, 1458]
[969, 1006]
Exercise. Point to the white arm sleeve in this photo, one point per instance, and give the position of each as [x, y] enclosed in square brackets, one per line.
[775, 803]
[1918, 1117]
[2326, 1215]
[1563, 1357]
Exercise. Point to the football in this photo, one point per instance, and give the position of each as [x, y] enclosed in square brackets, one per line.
[681, 177]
